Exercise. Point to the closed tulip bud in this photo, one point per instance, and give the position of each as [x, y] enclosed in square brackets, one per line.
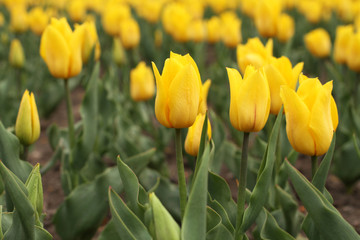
[165, 227]
[113, 15]
[314, 15]
[230, 29]
[60, 48]
[176, 18]
[285, 28]
[280, 72]
[196, 31]
[27, 127]
[16, 54]
[18, 19]
[311, 116]
[193, 137]
[213, 29]
[77, 10]
[178, 91]
[118, 52]
[353, 51]
[266, 17]
[318, 42]
[249, 99]
[254, 53]
[142, 84]
[38, 20]
[89, 42]
[342, 41]
[129, 33]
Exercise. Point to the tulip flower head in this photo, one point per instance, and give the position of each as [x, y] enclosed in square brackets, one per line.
[89, 41]
[60, 47]
[27, 127]
[249, 99]
[178, 91]
[353, 51]
[311, 116]
[342, 41]
[16, 54]
[129, 33]
[213, 29]
[254, 53]
[142, 84]
[230, 29]
[318, 42]
[280, 72]
[38, 20]
[285, 27]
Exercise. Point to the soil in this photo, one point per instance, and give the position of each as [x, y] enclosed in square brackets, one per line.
[347, 202]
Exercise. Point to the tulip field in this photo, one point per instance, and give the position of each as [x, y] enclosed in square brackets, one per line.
[179, 119]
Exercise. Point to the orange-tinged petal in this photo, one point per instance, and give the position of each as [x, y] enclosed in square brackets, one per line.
[297, 120]
[320, 121]
[56, 52]
[184, 96]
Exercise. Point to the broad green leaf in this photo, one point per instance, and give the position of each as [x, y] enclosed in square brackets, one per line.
[260, 192]
[194, 221]
[24, 211]
[325, 216]
[271, 229]
[109, 232]
[42, 234]
[216, 206]
[35, 190]
[215, 229]
[127, 223]
[9, 154]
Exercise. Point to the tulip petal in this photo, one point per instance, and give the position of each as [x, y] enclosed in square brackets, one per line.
[309, 88]
[23, 120]
[334, 114]
[297, 120]
[75, 64]
[35, 121]
[203, 97]
[55, 52]
[171, 67]
[184, 98]
[321, 120]
[296, 72]
[235, 81]
[275, 79]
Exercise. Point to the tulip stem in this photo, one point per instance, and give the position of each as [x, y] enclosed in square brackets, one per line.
[242, 187]
[314, 165]
[181, 172]
[69, 115]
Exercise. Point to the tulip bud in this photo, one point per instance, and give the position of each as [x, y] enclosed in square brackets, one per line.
[129, 33]
[113, 15]
[311, 116]
[230, 29]
[318, 42]
[254, 53]
[118, 52]
[27, 127]
[176, 19]
[249, 99]
[342, 41]
[193, 137]
[285, 28]
[90, 41]
[77, 10]
[38, 20]
[142, 85]
[280, 72]
[19, 19]
[353, 51]
[60, 48]
[312, 10]
[165, 227]
[266, 17]
[16, 55]
[178, 91]
[213, 29]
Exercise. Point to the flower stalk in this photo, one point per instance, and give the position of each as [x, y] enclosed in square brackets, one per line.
[181, 172]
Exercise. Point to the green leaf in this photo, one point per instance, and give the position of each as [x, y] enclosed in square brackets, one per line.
[35, 190]
[271, 229]
[325, 216]
[9, 154]
[260, 192]
[201, 147]
[194, 222]
[23, 208]
[109, 232]
[215, 229]
[127, 223]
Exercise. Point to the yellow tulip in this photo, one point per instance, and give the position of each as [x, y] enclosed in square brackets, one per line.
[311, 116]
[178, 91]
[38, 20]
[249, 99]
[27, 127]
[16, 54]
[342, 40]
[129, 33]
[230, 29]
[90, 41]
[254, 53]
[142, 84]
[203, 97]
[118, 52]
[285, 27]
[176, 18]
[193, 137]
[150, 10]
[318, 42]
[60, 48]
[353, 51]
[18, 19]
[312, 10]
[196, 30]
[248, 7]
[213, 26]
[113, 15]
[280, 72]
[266, 17]
[77, 10]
